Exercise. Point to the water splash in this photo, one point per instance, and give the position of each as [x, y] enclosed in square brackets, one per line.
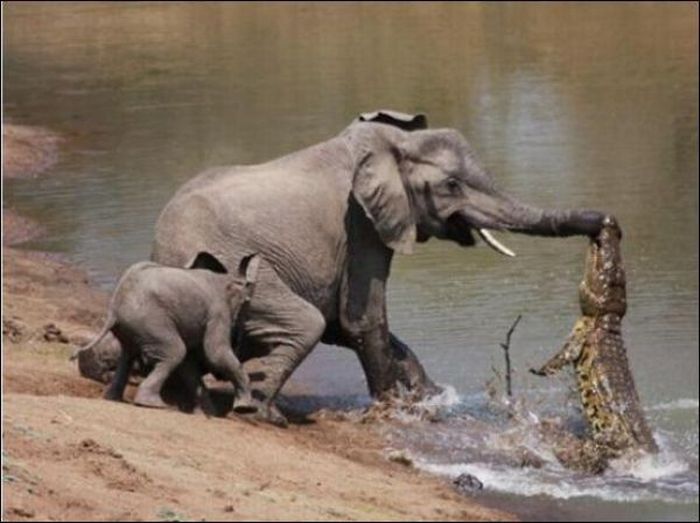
[499, 440]
[677, 404]
[553, 483]
[447, 399]
[650, 467]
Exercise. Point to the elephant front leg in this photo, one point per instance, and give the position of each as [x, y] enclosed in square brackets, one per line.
[409, 370]
[390, 365]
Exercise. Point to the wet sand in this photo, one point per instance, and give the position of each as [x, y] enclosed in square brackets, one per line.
[28, 151]
[69, 455]
[19, 229]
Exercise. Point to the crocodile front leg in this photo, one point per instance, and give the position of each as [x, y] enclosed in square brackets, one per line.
[571, 351]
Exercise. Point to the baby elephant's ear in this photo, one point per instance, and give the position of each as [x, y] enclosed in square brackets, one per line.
[205, 260]
[248, 268]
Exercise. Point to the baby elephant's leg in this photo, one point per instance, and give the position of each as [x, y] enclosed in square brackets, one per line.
[223, 361]
[195, 391]
[115, 391]
[167, 353]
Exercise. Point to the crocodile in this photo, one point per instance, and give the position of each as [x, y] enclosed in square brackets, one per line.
[596, 350]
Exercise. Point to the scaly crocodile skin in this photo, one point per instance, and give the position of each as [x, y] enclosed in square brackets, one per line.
[597, 352]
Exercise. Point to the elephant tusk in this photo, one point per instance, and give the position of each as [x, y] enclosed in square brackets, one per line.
[494, 243]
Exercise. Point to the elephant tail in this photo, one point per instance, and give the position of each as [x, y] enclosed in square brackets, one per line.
[111, 321]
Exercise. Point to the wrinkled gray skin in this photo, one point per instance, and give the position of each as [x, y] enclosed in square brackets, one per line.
[327, 221]
[100, 361]
[178, 320]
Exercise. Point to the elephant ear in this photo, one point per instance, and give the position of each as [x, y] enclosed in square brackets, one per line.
[205, 260]
[378, 187]
[407, 122]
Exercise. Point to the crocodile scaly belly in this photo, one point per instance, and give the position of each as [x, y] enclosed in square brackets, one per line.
[608, 396]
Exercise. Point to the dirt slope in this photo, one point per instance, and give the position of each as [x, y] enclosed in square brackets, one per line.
[67, 454]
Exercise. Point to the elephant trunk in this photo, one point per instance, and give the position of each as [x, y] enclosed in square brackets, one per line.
[531, 220]
[494, 210]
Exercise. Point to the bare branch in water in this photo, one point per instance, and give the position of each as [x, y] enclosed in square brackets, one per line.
[506, 347]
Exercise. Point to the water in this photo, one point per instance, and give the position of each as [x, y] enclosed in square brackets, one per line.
[479, 438]
[569, 105]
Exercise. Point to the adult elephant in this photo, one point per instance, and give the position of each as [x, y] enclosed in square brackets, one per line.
[326, 221]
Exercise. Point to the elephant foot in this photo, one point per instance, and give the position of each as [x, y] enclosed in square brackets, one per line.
[245, 405]
[206, 403]
[409, 394]
[151, 401]
[112, 396]
[430, 389]
[268, 413]
[404, 376]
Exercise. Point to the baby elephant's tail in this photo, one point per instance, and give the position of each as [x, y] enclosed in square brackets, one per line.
[111, 320]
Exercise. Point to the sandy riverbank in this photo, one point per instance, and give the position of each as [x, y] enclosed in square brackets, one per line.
[28, 151]
[70, 455]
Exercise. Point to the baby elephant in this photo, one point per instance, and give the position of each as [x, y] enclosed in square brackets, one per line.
[179, 319]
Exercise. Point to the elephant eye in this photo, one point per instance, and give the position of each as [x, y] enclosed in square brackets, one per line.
[453, 184]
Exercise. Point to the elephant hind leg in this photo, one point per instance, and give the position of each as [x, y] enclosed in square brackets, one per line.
[115, 391]
[168, 354]
[222, 360]
[283, 327]
[185, 387]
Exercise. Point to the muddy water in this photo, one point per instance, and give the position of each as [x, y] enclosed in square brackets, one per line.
[569, 105]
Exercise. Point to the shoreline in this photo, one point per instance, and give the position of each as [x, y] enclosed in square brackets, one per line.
[68, 454]
[18, 228]
[27, 152]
